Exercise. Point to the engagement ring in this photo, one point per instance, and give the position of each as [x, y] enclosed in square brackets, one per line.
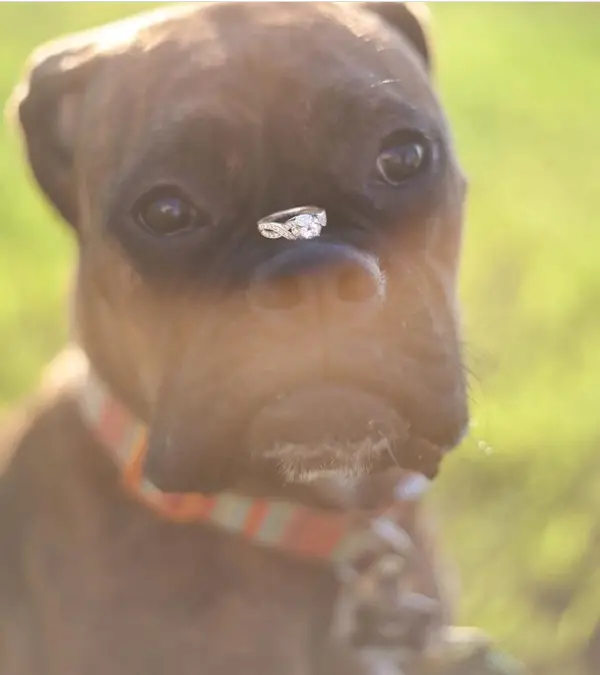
[304, 222]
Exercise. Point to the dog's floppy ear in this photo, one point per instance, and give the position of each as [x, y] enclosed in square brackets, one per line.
[46, 106]
[49, 101]
[411, 19]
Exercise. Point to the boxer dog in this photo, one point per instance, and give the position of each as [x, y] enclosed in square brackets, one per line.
[267, 208]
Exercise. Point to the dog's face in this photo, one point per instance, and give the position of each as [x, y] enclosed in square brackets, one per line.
[260, 364]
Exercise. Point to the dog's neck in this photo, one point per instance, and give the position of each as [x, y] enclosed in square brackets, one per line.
[295, 529]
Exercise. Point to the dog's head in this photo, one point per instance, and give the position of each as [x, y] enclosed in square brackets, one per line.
[260, 364]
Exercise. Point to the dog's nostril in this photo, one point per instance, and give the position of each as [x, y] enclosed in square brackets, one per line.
[318, 275]
[357, 284]
[285, 293]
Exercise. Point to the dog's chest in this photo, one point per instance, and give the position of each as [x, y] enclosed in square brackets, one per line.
[153, 600]
[101, 585]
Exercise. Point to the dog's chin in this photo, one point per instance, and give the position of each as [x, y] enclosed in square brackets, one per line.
[327, 439]
[334, 475]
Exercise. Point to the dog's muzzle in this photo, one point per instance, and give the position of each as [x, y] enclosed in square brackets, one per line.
[303, 222]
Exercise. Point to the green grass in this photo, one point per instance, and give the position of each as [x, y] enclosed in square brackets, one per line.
[521, 499]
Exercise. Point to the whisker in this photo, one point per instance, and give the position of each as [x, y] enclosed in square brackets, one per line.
[381, 82]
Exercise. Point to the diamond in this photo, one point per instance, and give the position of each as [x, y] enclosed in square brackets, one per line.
[304, 226]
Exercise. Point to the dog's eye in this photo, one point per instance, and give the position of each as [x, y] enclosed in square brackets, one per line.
[401, 158]
[166, 211]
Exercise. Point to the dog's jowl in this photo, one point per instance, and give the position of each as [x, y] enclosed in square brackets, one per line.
[238, 399]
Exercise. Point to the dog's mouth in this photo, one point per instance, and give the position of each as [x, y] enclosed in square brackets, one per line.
[318, 435]
[326, 431]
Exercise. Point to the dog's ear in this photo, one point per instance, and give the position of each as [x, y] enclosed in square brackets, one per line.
[46, 106]
[48, 103]
[411, 19]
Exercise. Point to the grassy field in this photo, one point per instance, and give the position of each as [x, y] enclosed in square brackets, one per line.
[521, 498]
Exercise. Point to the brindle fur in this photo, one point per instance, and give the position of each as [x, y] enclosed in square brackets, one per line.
[254, 108]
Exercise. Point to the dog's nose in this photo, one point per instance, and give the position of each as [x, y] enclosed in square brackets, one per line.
[334, 277]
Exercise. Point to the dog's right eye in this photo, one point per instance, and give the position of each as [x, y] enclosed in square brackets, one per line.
[403, 155]
[166, 211]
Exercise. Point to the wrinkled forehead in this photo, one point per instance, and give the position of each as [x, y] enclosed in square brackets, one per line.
[226, 52]
[229, 70]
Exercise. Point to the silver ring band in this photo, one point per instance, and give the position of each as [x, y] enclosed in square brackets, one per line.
[302, 222]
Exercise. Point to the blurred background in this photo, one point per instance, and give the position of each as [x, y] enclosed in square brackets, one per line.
[520, 500]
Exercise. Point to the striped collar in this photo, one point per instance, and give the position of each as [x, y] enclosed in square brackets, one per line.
[299, 530]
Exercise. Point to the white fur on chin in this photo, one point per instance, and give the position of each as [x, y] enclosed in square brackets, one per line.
[334, 469]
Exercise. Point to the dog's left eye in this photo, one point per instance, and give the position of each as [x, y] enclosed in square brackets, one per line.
[402, 158]
[166, 212]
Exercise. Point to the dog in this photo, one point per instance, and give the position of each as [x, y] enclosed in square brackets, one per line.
[173, 497]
